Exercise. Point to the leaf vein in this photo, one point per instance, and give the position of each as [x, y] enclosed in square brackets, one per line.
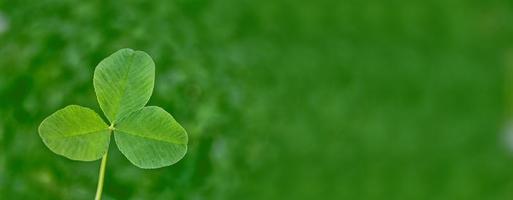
[85, 133]
[150, 138]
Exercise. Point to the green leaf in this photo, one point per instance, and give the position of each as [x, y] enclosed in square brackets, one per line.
[123, 82]
[76, 132]
[151, 138]
[148, 136]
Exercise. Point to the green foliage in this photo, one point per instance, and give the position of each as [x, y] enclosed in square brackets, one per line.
[76, 132]
[151, 138]
[148, 136]
[124, 82]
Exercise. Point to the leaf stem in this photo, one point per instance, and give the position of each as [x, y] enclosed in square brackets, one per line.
[101, 177]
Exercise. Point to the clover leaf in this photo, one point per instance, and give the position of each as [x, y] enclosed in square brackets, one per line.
[149, 136]
[76, 132]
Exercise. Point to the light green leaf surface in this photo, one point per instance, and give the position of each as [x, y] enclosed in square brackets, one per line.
[123, 82]
[151, 138]
[76, 132]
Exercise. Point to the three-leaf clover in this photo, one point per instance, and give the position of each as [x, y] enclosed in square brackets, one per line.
[148, 136]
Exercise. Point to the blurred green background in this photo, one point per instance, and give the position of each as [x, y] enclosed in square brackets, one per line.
[283, 99]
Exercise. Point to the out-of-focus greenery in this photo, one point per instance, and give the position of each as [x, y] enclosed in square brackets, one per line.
[281, 99]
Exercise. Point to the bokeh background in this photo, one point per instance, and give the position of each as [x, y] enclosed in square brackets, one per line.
[282, 99]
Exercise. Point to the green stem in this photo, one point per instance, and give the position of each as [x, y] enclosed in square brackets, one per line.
[100, 179]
